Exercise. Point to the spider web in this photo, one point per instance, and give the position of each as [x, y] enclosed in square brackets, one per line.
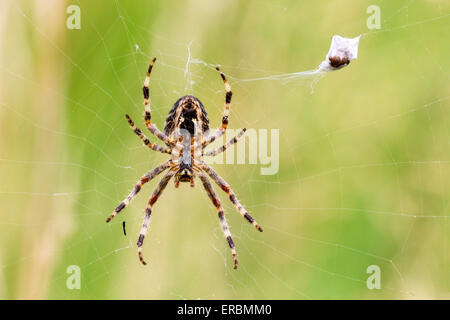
[364, 152]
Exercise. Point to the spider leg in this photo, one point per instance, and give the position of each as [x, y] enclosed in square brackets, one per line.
[225, 146]
[226, 112]
[148, 211]
[151, 126]
[223, 222]
[232, 196]
[147, 142]
[144, 179]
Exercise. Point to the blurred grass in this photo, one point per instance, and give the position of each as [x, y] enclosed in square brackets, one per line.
[364, 160]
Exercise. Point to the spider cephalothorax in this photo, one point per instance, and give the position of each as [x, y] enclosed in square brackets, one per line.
[186, 135]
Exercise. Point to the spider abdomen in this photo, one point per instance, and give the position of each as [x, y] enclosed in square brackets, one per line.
[184, 111]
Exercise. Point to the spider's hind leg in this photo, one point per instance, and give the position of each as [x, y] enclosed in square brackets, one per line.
[148, 211]
[226, 230]
[231, 195]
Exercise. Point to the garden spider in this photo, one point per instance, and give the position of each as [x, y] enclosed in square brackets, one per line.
[185, 139]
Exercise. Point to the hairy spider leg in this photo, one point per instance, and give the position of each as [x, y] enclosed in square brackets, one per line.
[226, 111]
[152, 146]
[144, 179]
[221, 149]
[223, 221]
[147, 117]
[148, 211]
[231, 195]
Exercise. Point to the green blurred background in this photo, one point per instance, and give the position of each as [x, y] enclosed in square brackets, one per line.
[364, 156]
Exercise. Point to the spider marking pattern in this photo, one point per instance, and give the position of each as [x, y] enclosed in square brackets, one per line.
[184, 138]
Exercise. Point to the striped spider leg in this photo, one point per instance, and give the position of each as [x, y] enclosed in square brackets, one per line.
[175, 161]
[231, 195]
[224, 147]
[174, 164]
[148, 116]
[156, 193]
[223, 221]
[216, 202]
[197, 152]
[148, 211]
[144, 179]
[226, 112]
[150, 145]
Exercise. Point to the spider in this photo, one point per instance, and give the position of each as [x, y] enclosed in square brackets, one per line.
[185, 139]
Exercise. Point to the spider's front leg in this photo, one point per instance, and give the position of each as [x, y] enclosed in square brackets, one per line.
[148, 116]
[148, 211]
[226, 112]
